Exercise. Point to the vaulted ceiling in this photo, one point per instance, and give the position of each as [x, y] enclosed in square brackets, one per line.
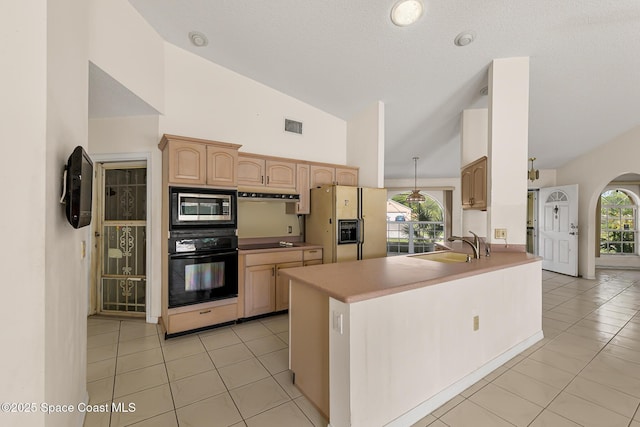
[342, 56]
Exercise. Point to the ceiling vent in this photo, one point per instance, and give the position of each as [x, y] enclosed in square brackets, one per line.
[292, 126]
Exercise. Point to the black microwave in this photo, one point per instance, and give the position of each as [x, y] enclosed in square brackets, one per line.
[202, 208]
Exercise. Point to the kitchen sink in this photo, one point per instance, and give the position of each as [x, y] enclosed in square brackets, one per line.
[447, 257]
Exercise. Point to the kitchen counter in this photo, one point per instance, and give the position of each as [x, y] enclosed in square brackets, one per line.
[373, 278]
[386, 341]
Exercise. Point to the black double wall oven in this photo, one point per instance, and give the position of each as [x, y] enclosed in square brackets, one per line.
[203, 245]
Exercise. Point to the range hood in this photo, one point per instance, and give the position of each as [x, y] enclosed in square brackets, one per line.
[267, 197]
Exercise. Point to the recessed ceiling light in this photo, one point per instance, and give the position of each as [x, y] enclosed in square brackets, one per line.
[464, 38]
[406, 12]
[198, 39]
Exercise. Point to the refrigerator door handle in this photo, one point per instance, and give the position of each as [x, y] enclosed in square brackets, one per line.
[360, 231]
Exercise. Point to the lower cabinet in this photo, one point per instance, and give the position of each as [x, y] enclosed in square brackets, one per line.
[265, 289]
[197, 316]
[282, 286]
[259, 290]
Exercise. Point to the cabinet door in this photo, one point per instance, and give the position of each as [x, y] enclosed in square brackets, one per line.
[221, 166]
[251, 171]
[281, 174]
[259, 290]
[479, 179]
[473, 185]
[302, 187]
[187, 163]
[282, 286]
[465, 187]
[347, 176]
[321, 175]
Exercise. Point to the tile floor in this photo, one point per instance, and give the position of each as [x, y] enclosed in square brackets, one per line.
[585, 372]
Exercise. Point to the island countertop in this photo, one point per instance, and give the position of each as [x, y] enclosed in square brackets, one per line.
[355, 281]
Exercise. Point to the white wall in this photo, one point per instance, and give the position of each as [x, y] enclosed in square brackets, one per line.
[547, 179]
[44, 105]
[23, 108]
[593, 172]
[47, 361]
[365, 145]
[110, 139]
[127, 48]
[65, 327]
[205, 100]
[508, 147]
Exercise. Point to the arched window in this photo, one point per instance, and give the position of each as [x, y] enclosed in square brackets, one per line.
[618, 222]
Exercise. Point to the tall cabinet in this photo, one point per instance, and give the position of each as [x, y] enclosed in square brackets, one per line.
[195, 163]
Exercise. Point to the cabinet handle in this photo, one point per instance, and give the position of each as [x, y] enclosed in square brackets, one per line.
[267, 179]
[313, 251]
[262, 179]
[205, 312]
[273, 271]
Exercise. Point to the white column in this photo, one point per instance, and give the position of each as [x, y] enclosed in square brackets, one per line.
[508, 148]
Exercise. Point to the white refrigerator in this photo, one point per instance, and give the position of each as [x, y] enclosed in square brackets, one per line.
[349, 222]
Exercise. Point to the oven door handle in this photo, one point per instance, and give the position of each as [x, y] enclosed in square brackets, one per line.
[200, 255]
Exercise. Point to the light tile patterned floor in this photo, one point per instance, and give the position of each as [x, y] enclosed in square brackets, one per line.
[585, 372]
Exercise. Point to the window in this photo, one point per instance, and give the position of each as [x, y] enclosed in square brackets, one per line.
[421, 232]
[618, 216]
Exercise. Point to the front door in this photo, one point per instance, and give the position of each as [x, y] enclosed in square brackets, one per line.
[120, 233]
[558, 229]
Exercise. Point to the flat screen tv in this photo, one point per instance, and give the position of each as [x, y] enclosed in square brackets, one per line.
[79, 186]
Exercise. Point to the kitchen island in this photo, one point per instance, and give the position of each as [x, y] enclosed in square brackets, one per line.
[386, 341]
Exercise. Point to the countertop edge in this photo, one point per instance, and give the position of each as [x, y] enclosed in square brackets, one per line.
[298, 275]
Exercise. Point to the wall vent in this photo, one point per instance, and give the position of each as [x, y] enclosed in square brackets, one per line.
[292, 126]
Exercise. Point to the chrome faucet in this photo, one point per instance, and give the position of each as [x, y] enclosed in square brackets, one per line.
[474, 245]
[476, 242]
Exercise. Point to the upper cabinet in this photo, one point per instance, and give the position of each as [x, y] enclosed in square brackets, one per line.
[347, 176]
[256, 171]
[200, 162]
[222, 169]
[474, 184]
[327, 174]
[191, 161]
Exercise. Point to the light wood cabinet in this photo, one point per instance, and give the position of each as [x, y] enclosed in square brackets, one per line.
[281, 174]
[265, 290]
[187, 162]
[303, 185]
[221, 166]
[198, 316]
[259, 290]
[322, 175]
[282, 285]
[255, 171]
[326, 174]
[474, 185]
[347, 176]
[199, 162]
[251, 171]
[312, 256]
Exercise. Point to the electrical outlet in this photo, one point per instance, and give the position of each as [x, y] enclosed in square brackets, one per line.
[289, 229]
[476, 323]
[500, 233]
